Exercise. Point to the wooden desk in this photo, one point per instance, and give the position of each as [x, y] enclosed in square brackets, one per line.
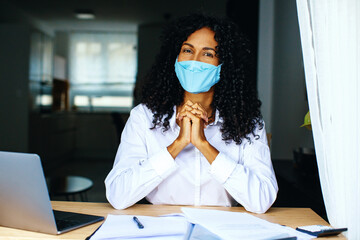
[292, 217]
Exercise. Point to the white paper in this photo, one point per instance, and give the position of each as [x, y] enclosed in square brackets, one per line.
[124, 227]
[234, 225]
[225, 225]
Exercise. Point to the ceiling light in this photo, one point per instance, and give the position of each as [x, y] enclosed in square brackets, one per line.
[84, 14]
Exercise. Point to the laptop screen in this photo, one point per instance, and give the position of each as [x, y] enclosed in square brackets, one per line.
[24, 199]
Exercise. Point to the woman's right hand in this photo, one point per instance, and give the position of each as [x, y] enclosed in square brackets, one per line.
[184, 119]
[184, 137]
[184, 123]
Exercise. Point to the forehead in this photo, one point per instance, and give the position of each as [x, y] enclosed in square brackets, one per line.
[203, 37]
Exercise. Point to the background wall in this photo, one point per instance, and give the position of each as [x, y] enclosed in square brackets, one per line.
[96, 136]
[148, 48]
[15, 30]
[289, 104]
[61, 45]
[14, 98]
[265, 59]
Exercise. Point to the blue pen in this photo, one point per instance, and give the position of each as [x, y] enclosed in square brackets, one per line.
[139, 224]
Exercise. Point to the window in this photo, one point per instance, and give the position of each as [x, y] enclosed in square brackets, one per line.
[102, 70]
[40, 70]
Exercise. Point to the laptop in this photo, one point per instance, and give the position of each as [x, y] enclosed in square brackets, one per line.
[24, 198]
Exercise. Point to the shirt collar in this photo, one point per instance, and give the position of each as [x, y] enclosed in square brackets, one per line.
[172, 120]
[218, 119]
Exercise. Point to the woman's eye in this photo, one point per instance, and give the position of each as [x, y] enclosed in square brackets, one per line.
[208, 54]
[186, 50]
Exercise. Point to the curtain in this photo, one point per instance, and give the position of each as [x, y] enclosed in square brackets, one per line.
[103, 58]
[330, 38]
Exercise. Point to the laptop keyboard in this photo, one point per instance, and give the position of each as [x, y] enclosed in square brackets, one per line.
[65, 224]
[69, 220]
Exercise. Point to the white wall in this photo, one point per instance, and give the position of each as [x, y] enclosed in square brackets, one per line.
[61, 44]
[14, 86]
[265, 59]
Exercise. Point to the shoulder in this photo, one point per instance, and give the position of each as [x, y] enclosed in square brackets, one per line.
[141, 109]
[259, 133]
[141, 113]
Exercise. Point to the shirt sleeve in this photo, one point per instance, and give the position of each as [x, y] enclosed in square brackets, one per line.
[135, 174]
[250, 180]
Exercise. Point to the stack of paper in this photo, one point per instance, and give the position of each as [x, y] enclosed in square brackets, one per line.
[124, 227]
[195, 224]
[233, 225]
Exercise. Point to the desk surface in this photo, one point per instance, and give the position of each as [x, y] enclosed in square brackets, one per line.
[292, 217]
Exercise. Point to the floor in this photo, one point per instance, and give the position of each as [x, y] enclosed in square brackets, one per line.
[94, 169]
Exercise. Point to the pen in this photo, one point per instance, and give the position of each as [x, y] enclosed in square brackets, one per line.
[139, 224]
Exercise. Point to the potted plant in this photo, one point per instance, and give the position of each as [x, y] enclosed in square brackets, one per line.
[305, 158]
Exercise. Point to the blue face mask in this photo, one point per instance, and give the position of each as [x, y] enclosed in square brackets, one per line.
[197, 77]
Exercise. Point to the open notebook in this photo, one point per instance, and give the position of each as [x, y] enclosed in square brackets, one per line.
[24, 199]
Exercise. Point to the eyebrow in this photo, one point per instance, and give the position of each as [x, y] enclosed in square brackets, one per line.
[204, 48]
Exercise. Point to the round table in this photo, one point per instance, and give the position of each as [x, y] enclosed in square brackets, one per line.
[69, 186]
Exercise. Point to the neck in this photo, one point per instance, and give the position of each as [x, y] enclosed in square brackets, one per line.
[205, 99]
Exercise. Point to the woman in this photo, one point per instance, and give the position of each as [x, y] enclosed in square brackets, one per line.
[198, 137]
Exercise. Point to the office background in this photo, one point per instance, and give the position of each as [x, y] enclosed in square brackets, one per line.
[84, 142]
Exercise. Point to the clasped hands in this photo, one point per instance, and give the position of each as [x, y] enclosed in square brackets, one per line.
[192, 119]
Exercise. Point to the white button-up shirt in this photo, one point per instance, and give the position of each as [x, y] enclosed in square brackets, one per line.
[143, 167]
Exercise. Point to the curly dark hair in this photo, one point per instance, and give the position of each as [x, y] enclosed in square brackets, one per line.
[235, 95]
